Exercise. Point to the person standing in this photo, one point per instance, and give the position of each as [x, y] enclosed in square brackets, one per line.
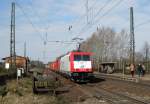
[140, 70]
[143, 70]
[132, 69]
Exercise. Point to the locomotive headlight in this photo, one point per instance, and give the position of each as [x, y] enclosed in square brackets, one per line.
[75, 74]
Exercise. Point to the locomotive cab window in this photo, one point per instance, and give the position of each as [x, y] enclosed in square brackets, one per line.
[86, 58]
[81, 58]
[77, 57]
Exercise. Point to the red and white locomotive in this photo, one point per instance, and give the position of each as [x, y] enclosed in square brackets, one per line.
[76, 65]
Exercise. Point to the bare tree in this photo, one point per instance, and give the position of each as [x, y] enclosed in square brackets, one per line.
[145, 52]
[107, 45]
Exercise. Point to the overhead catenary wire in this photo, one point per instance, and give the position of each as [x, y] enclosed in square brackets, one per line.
[107, 12]
[28, 19]
[100, 10]
[142, 23]
[40, 19]
[37, 14]
[46, 29]
[46, 40]
[84, 15]
[89, 25]
[30, 2]
[34, 26]
[34, 11]
[64, 42]
[86, 27]
[66, 45]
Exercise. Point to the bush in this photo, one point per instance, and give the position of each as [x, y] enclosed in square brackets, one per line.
[3, 70]
[3, 90]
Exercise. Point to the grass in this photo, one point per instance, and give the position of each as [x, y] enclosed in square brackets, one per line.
[62, 100]
[22, 94]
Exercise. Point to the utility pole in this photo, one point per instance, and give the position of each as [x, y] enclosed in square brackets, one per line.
[12, 43]
[26, 59]
[44, 50]
[12, 39]
[25, 49]
[146, 57]
[132, 38]
[87, 10]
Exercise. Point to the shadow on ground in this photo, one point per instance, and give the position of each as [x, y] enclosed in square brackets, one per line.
[96, 80]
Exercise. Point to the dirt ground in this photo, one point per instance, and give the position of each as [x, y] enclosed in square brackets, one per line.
[22, 94]
[135, 91]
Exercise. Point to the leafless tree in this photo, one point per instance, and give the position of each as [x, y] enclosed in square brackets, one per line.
[145, 53]
[107, 45]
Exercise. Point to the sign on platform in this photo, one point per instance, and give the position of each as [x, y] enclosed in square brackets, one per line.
[18, 72]
[7, 65]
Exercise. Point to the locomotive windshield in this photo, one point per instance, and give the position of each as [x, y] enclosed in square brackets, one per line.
[86, 58]
[81, 58]
[77, 57]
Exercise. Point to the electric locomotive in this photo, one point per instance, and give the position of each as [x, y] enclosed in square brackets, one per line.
[77, 66]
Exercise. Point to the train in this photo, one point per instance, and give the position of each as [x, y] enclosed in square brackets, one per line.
[75, 65]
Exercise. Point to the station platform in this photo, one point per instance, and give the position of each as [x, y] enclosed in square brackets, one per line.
[146, 77]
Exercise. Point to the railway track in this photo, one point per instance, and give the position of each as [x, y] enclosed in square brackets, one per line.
[109, 96]
[119, 98]
[135, 81]
[92, 90]
[112, 97]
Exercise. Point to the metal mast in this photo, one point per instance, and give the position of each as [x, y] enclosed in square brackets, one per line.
[25, 49]
[12, 38]
[45, 43]
[87, 11]
[132, 40]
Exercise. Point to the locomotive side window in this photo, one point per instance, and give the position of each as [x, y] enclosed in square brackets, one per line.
[86, 58]
[77, 57]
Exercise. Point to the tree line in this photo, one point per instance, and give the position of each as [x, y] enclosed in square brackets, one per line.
[107, 45]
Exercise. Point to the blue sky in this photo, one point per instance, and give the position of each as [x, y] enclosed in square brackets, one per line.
[55, 16]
